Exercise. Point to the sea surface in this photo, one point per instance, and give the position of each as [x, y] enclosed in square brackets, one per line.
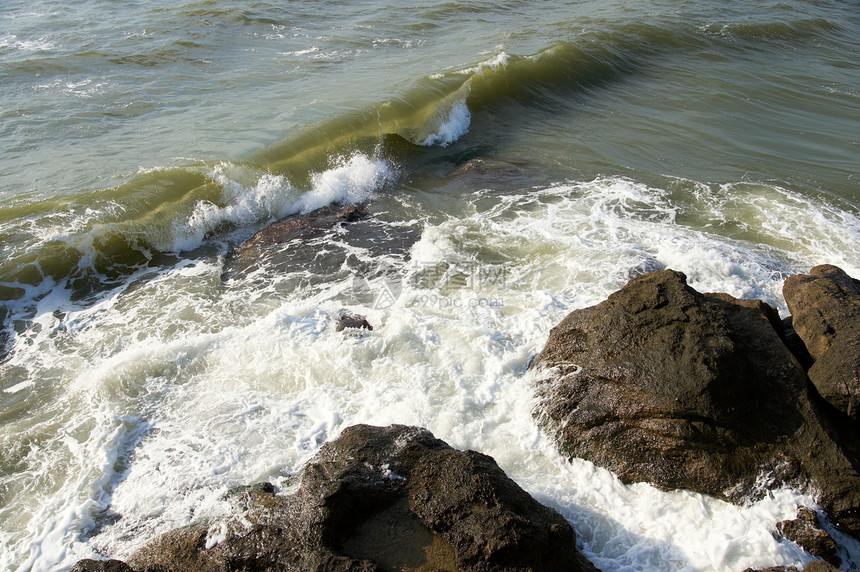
[518, 160]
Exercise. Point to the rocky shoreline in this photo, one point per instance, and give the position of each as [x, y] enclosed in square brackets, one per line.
[659, 383]
[375, 499]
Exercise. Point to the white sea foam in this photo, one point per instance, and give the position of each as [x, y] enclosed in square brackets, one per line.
[494, 63]
[270, 197]
[354, 180]
[453, 118]
[20, 386]
[455, 125]
[176, 387]
[10, 41]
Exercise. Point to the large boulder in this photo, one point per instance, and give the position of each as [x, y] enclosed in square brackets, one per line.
[376, 499]
[663, 384]
[825, 311]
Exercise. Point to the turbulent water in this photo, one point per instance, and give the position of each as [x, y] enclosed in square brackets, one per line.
[518, 160]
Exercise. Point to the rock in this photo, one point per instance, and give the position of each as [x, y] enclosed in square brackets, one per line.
[358, 322]
[378, 499]
[314, 249]
[484, 170]
[180, 550]
[825, 310]
[795, 344]
[299, 226]
[89, 565]
[808, 534]
[652, 384]
[820, 566]
[5, 333]
[663, 384]
[814, 566]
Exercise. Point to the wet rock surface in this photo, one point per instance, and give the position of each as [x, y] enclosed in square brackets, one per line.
[348, 321]
[5, 332]
[825, 310]
[377, 499]
[814, 566]
[663, 384]
[302, 226]
[806, 532]
[101, 566]
[479, 171]
[328, 244]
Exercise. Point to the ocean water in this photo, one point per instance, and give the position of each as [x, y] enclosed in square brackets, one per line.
[519, 160]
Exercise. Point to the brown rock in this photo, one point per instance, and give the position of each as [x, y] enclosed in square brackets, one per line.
[663, 384]
[299, 226]
[101, 566]
[808, 534]
[377, 499]
[814, 566]
[357, 322]
[820, 566]
[825, 310]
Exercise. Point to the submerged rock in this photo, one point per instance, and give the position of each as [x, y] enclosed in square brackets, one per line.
[300, 226]
[328, 244]
[663, 384]
[825, 310]
[357, 322]
[378, 499]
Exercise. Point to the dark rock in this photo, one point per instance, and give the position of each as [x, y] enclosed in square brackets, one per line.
[820, 566]
[484, 170]
[808, 534]
[312, 250]
[814, 566]
[795, 344]
[358, 322]
[825, 310]
[4, 332]
[663, 384]
[263, 487]
[101, 566]
[300, 226]
[378, 499]
[180, 550]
